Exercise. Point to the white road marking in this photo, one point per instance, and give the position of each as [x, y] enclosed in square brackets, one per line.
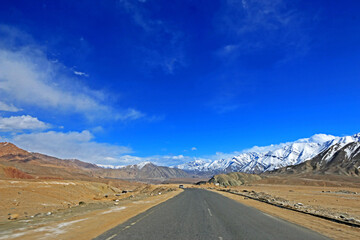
[132, 224]
[109, 238]
[209, 212]
[271, 216]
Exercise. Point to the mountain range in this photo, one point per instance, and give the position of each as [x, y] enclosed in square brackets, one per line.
[324, 154]
[261, 159]
[18, 163]
[338, 159]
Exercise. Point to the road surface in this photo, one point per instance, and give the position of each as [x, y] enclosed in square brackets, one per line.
[200, 214]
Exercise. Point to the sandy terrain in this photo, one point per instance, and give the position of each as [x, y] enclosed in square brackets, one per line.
[27, 198]
[334, 198]
[71, 209]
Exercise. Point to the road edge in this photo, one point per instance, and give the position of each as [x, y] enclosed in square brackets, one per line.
[327, 228]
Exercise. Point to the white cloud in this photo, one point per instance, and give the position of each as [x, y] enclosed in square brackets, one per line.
[8, 107]
[82, 146]
[29, 78]
[70, 145]
[81, 74]
[193, 149]
[20, 123]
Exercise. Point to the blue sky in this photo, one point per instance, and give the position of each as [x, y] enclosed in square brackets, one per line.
[119, 82]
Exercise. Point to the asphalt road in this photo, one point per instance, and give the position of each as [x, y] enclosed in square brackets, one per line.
[200, 214]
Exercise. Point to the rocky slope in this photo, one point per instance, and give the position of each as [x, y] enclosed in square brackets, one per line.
[234, 179]
[14, 159]
[143, 171]
[337, 159]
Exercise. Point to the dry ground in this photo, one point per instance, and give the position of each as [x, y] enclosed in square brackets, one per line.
[339, 196]
[27, 198]
[101, 207]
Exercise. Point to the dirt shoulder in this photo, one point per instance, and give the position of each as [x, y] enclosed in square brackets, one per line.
[332, 199]
[26, 199]
[100, 208]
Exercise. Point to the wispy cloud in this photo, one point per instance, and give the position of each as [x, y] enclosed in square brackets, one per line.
[21, 123]
[252, 25]
[165, 46]
[29, 78]
[8, 107]
[81, 74]
[70, 145]
[83, 146]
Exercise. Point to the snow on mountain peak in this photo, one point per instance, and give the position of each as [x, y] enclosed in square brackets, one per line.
[110, 166]
[267, 158]
[317, 138]
[142, 164]
[138, 165]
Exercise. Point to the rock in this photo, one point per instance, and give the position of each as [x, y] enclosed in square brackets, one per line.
[117, 200]
[346, 192]
[48, 213]
[118, 194]
[263, 199]
[106, 196]
[124, 191]
[13, 216]
[300, 204]
[81, 203]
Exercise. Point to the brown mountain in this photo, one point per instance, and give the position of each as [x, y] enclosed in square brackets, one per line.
[18, 163]
[148, 171]
[338, 159]
[40, 165]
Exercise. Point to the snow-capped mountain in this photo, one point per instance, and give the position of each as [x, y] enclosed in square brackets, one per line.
[138, 165]
[338, 159]
[110, 166]
[261, 159]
